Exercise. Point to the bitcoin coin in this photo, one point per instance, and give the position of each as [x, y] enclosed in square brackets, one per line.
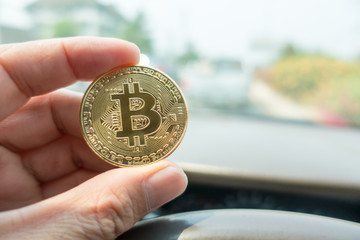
[133, 116]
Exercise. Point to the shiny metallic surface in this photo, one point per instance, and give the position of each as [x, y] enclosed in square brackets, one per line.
[133, 116]
[243, 224]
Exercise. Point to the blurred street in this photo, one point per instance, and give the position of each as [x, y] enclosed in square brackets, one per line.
[272, 103]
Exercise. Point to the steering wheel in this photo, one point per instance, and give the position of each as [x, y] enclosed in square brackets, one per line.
[243, 224]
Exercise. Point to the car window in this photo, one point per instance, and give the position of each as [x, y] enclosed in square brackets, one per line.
[247, 68]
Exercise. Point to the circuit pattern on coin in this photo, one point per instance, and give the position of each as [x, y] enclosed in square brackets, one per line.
[133, 116]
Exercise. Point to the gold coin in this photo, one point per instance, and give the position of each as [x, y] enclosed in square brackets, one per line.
[133, 116]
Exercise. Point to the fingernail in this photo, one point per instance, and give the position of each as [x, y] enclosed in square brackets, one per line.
[164, 185]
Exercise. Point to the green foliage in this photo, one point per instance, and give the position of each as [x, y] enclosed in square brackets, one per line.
[135, 31]
[66, 28]
[290, 50]
[324, 82]
[189, 55]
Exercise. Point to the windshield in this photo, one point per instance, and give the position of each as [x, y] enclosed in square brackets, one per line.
[240, 64]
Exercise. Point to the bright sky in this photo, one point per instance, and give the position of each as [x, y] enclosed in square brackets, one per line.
[228, 28]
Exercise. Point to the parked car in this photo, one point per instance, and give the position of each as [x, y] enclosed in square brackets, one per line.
[216, 83]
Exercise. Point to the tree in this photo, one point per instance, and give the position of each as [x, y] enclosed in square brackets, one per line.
[135, 31]
[189, 55]
[66, 28]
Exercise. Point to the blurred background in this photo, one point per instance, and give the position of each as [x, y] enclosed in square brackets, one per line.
[293, 60]
[271, 85]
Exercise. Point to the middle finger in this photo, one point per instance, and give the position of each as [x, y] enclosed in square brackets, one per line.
[61, 157]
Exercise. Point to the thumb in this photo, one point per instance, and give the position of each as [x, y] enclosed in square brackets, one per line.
[100, 208]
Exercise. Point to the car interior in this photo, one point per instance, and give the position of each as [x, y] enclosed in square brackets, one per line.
[273, 94]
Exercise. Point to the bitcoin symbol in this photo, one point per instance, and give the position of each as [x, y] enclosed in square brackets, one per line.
[138, 118]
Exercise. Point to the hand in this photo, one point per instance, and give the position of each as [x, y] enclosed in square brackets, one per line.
[51, 184]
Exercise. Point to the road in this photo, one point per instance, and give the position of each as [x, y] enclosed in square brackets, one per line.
[272, 149]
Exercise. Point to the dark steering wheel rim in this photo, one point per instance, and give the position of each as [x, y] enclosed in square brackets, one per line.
[244, 224]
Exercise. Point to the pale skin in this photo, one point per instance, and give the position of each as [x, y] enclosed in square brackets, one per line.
[52, 186]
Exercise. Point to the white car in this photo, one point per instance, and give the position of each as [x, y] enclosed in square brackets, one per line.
[221, 83]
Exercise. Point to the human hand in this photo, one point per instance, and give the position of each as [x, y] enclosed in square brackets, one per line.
[43, 154]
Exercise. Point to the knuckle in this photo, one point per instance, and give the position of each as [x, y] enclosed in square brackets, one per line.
[110, 214]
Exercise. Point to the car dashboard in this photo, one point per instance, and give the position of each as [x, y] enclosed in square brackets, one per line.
[211, 191]
[247, 163]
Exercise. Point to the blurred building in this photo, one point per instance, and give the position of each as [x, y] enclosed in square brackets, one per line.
[9, 34]
[74, 17]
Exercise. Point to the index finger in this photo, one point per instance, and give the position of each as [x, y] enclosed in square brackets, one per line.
[34, 68]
